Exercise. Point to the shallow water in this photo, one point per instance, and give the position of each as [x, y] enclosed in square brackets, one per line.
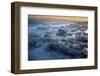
[39, 50]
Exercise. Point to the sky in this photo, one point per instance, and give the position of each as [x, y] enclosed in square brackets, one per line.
[58, 18]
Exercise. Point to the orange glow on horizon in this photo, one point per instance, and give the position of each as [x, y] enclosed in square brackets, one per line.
[62, 18]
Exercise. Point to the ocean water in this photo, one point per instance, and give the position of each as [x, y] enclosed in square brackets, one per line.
[44, 45]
